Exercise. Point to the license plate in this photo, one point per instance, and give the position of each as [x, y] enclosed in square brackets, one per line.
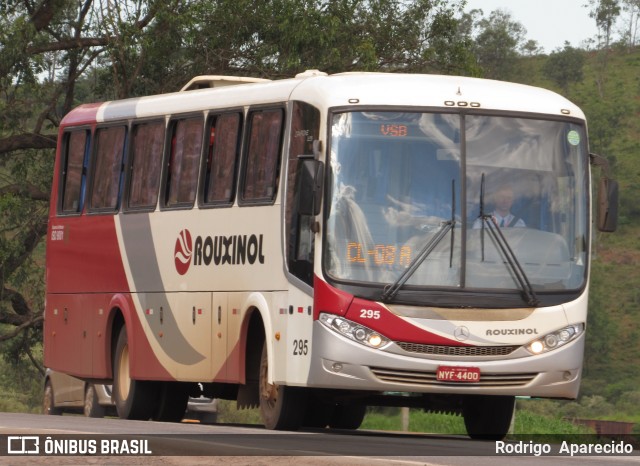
[458, 374]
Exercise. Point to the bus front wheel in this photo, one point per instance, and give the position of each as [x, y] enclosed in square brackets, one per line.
[135, 399]
[281, 407]
[488, 417]
[347, 416]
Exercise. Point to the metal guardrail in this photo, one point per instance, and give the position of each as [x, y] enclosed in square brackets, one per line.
[606, 428]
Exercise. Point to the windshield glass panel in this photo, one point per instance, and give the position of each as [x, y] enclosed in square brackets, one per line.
[396, 180]
[534, 185]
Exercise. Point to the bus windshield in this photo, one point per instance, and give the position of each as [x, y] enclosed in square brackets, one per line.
[396, 178]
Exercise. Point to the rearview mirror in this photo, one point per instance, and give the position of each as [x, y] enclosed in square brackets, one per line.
[309, 185]
[607, 208]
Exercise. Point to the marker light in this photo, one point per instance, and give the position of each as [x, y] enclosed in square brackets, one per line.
[353, 331]
[555, 339]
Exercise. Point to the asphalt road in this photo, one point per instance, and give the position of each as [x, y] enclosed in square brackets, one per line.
[193, 443]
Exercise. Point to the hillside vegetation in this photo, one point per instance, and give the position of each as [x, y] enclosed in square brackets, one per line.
[609, 94]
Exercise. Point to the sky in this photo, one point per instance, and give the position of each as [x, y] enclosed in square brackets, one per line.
[550, 22]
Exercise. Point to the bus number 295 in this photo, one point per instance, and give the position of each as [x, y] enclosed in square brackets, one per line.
[300, 347]
[369, 314]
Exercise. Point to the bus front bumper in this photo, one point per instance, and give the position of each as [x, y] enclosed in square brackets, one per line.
[340, 363]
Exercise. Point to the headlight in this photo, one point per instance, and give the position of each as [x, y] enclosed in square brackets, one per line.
[556, 339]
[353, 331]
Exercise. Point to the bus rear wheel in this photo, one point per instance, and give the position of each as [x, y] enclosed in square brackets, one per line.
[135, 399]
[281, 407]
[488, 417]
[172, 403]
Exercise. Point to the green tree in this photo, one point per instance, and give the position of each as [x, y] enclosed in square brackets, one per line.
[279, 38]
[631, 21]
[46, 49]
[497, 43]
[605, 13]
[565, 67]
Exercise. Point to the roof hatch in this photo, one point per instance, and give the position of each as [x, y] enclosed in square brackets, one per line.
[209, 81]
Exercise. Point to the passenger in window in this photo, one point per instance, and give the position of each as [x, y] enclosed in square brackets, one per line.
[502, 215]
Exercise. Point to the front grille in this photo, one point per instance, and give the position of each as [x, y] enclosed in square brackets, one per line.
[429, 379]
[441, 350]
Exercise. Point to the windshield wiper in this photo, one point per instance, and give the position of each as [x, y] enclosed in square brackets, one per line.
[498, 237]
[391, 290]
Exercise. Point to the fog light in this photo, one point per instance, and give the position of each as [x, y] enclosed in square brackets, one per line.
[337, 367]
[375, 340]
[537, 347]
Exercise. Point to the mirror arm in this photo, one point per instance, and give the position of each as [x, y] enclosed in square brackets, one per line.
[602, 162]
[317, 149]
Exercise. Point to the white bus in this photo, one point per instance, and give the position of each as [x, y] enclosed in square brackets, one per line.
[317, 245]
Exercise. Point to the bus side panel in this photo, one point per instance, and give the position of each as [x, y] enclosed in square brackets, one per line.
[221, 316]
[83, 255]
[287, 331]
[76, 335]
[297, 323]
[67, 343]
[158, 345]
[237, 328]
[192, 314]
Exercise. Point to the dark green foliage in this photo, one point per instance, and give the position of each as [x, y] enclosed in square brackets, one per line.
[564, 67]
[497, 43]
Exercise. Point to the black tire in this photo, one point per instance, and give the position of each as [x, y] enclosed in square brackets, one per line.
[48, 403]
[281, 407]
[92, 407]
[488, 417]
[318, 413]
[134, 399]
[348, 416]
[172, 403]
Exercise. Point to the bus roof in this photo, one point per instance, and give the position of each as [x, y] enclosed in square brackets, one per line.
[338, 90]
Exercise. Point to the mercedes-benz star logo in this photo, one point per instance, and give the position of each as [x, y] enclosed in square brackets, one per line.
[461, 333]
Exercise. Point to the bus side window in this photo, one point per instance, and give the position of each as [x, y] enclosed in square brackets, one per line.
[222, 159]
[76, 152]
[262, 158]
[108, 168]
[146, 164]
[184, 157]
[305, 128]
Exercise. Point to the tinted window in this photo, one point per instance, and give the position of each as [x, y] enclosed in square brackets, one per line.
[146, 154]
[224, 143]
[108, 167]
[73, 173]
[262, 160]
[182, 174]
